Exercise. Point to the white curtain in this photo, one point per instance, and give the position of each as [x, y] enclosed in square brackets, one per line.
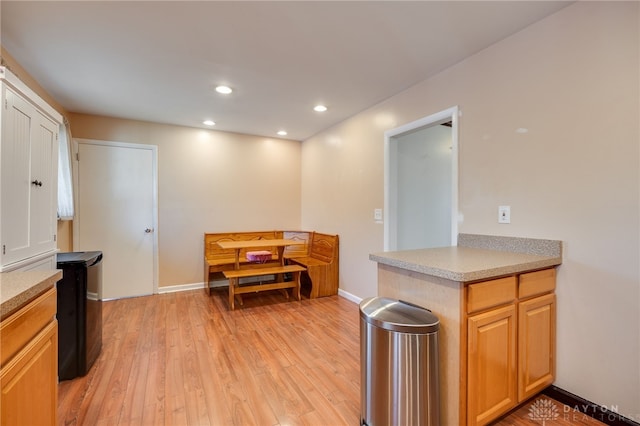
[65, 186]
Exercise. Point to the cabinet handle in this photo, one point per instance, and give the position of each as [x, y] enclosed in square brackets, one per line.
[36, 183]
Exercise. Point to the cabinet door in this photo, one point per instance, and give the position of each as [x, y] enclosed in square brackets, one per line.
[44, 195]
[536, 337]
[30, 382]
[29, 180]
[17, 117]
[491, 364]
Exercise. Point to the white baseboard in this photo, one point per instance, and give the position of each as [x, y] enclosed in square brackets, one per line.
[349, 296]
[180, 287]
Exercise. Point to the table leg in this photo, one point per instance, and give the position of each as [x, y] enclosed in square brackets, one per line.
[237, 258]
[281, 255]
[296, 279]
[280, 277]
[207, 289]
[231, 293]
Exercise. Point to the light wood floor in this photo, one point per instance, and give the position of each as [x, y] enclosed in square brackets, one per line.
[185, 359]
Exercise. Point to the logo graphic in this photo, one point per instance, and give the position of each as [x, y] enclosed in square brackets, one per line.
[543, 410]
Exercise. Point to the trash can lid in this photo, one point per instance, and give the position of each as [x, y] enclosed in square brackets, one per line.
[397, 315]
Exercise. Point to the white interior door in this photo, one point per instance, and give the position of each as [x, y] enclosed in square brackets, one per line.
[117, 214]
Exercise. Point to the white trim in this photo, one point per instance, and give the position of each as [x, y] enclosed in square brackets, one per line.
[351, 297]
[12, 80]
[154, 153]
[180, 287]
[28, 261]
[452, 114]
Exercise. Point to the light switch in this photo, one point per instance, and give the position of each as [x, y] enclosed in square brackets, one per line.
[504, 214]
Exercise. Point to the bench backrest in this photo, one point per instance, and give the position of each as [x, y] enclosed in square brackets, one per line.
[297, 250]
[213, 251]
[324, 247]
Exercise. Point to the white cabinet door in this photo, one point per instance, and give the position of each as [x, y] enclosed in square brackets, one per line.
[44, 194]
[16, 184]
[29, 187]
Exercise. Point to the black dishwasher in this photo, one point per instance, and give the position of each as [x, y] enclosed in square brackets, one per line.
[79, 312]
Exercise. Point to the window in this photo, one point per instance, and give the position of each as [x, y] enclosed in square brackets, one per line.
[65, 186]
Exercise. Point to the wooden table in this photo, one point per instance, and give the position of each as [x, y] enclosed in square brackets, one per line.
[280, 244]
[235, 275]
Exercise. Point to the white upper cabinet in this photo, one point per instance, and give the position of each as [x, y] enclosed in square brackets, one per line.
[29, 175]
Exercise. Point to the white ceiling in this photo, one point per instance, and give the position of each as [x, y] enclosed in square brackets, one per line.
[160, 61]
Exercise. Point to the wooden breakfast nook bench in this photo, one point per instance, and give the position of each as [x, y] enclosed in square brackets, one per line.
[279, 271]
[321, 262]
[246, 255]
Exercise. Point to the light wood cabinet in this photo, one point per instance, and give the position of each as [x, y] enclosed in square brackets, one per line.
[510, 342]
[29, 175]
[536, 345]
[491, 358]
[29, 364]
[497, 313]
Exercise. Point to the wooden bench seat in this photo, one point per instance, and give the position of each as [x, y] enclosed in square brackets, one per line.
[321, 263]
[235, 275]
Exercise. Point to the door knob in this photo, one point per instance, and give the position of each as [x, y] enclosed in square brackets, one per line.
[148, 230]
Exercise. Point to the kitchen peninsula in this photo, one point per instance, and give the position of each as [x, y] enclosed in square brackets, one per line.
[495, 300]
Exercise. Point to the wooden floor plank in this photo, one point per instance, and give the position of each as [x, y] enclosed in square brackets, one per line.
[186, 359]
[133, 404]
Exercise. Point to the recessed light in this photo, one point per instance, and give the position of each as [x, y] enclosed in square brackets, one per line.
[209, 123]
[319, 108]
[225, 90]
[282, 132]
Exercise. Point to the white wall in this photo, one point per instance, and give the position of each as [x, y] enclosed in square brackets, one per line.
[208, 181]
[573, 81]
[423, 187]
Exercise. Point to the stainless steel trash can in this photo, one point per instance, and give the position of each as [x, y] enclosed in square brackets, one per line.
[399, 364]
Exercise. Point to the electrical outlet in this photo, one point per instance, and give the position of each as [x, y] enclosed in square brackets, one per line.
[504, 214]
[377, 214]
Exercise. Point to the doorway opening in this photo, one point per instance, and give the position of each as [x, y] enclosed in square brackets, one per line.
[421, 183]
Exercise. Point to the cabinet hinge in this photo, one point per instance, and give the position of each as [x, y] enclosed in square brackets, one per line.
[55, 237]
[4, 249]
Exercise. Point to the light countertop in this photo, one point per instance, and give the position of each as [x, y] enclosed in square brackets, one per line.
[18, 288]
[477, 257]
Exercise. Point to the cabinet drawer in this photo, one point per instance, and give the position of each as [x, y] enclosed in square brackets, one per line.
[538, 282]
[17, 330]
[487, 294]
